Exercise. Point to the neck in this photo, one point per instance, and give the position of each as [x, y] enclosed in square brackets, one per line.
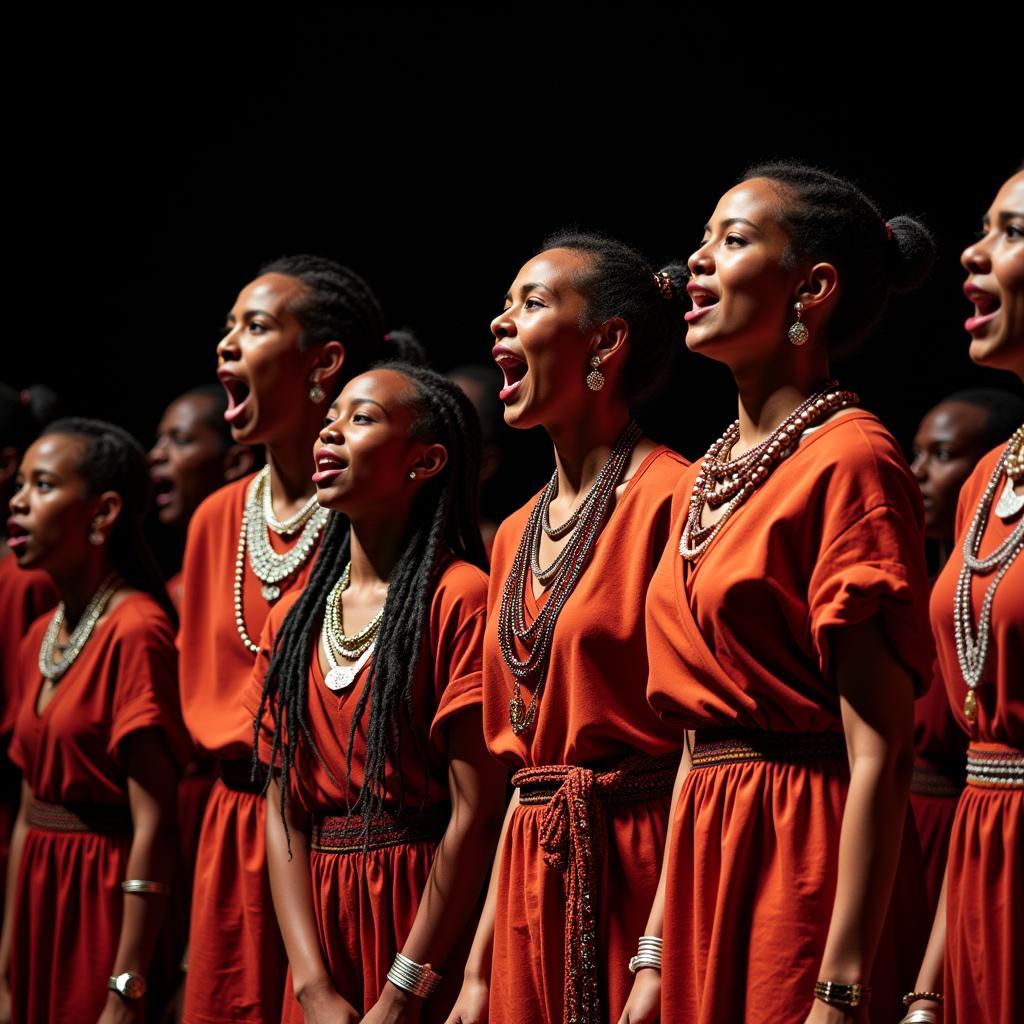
[376, 542]
[291, 473]
[583, 444]
[78, 584]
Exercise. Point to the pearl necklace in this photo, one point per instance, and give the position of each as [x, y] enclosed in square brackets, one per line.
[269, 567]
[722, 481]
[1010, 502]
[565, 572]
[337, 644]
[292, 523]
[972, 643]
[53, 667]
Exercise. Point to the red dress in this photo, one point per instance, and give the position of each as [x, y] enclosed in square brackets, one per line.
[984, 972]
[68, 902]
[739, 641]
[24, 595]
[593, 713]
[236, 962]
[366, 902]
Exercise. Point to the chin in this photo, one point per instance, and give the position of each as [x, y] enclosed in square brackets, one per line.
[998, 353]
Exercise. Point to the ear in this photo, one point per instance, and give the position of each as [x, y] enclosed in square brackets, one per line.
[8, 464]
[612, 337]
[330, 358]
[106, 511]
[430, 461]
[819, 288]
[239, 459]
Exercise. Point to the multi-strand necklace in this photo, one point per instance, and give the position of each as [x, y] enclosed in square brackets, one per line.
[337, 644]
[269, 567]
[583, 528]
[55, 660]
[729, 482]
[972, 642]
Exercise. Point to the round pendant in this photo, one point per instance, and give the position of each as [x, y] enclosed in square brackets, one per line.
[340, 678]
[970, 706]
[1009, 503]
[271, 592]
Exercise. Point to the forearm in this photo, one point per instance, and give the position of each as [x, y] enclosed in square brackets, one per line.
[929, 978]
[11, 888]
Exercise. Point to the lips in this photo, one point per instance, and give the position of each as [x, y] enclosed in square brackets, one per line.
[704, 300]
[17, 535]
[513, 366]
[986, 307]
[238, 396]
[163, 490]
[328, 465]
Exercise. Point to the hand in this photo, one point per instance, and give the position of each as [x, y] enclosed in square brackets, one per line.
[5, 1001]
[395, 1006]
[322, 1005]
[121, 1011]
[644, 1003]
[472, 1005]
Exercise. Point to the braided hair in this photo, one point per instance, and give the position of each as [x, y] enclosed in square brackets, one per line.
[337, 305]
[442, 524]
[619, 282]
[114, 461]
[830, 219]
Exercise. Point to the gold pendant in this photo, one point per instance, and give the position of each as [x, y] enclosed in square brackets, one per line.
[516, 712]
[970, 706]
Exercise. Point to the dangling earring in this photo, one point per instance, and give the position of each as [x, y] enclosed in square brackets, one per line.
[412, 474]
[798, 333]
[316, 393]
[95, 537]
[595, 379]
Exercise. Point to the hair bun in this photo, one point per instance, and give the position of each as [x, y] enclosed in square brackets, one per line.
[912, 253]
[678, 274]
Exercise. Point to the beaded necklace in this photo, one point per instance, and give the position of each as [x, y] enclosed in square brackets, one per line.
[729, 482]
[53, 667]
[972, 642]
[337, 644]
[564, 571]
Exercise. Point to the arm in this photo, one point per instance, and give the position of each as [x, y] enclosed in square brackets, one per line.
[11, 895]
[644, 1003]
[292, 887]
[929, 978]
[877, 707]
[476, 782]
[152, 796]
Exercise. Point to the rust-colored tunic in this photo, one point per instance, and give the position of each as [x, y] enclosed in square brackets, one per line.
[68, 902]
[984, 975]
[741, 639]
[236, 962]
[593, 712]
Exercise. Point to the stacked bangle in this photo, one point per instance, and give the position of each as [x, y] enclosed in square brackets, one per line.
[412, 977]
[837, 993]
[648, 954]
[140, 885]
[920, 1017]
[912, 997]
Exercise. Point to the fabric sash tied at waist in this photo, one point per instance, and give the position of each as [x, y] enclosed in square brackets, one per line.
[102, 819]
[573, 836]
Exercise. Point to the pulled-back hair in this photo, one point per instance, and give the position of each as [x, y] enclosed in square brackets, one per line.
[338, 305]
[829, 219]
[619, 282]
[114, 461]
[1004, 412]
[442, 525]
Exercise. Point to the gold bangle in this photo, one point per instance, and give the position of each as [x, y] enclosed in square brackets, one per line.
[912, 997]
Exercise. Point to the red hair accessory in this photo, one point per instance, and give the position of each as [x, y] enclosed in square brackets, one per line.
[888, 231]
[664, 283]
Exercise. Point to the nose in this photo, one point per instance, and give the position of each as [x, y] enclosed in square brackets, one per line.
[917, 466]
[19, 500]
[975, 259]
[330, 434]
[700, 261]
[227, 347]
[158, 453]
[503, 326]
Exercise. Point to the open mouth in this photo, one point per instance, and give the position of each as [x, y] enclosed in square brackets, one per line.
[703, 302]
[163, 490]
[328, 466]
[513, 367]
[238, 395]
[17, 535]
[986, 306]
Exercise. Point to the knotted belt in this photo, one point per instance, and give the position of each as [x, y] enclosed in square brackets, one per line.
[573, 836]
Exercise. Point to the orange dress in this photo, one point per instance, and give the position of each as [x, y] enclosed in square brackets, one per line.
[984, 972]
[366, 901]
[24, 595]
[236, 962]
[68, 901]
[592, 713]
[739, 642]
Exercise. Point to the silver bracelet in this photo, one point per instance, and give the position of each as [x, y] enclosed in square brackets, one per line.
[412, 977]
[140, 885]
[648, 954]
[920, 1017]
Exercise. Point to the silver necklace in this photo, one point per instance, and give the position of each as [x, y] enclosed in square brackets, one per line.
[52, 664]
[292, 523]
[337, 644]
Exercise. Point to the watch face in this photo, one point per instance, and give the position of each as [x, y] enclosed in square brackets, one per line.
[132, 986]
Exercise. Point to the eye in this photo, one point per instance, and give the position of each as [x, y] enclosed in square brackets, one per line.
[1014, 231]
[943, 455]
[255, 327]
[533, 303]
[735, 240]
[362, 417]
[43, 485]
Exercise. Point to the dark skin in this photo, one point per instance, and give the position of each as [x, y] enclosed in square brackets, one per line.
[947, 446]
[55, 515]
[365, 454]
[190, 460]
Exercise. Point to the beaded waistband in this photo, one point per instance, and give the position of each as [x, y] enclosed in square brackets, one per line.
[931, 779]
[100, 818]
[336, 833]
[995, 766]
[715, 747]
[237, 776]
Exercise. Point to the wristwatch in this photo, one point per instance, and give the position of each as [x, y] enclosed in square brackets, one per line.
[130, 984]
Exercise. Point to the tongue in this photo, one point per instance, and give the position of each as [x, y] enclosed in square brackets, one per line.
[237, 391]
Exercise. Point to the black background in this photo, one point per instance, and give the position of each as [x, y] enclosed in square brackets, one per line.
[432, 151]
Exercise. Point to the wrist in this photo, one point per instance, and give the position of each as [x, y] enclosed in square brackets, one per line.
[309, 990]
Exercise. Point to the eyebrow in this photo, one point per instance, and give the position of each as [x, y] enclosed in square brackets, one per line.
[1004, 216]
[249, 314]
[369, 401]
[735, 220]
[529, 287]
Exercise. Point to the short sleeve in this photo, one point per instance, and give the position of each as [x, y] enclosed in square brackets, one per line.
[460, 615]
[253, 696]
[875, 567]
[146, 689]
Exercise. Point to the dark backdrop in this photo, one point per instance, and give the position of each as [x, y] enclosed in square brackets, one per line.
[433, 151]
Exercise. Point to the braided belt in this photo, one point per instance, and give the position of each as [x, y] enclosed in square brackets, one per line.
[336, 833]
[99, 818]
[995, 766]
[715, 747]
[931, 779]
[573, 836]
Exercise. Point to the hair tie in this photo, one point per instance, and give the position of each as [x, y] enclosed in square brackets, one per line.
[664, 283]
[888, 230]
